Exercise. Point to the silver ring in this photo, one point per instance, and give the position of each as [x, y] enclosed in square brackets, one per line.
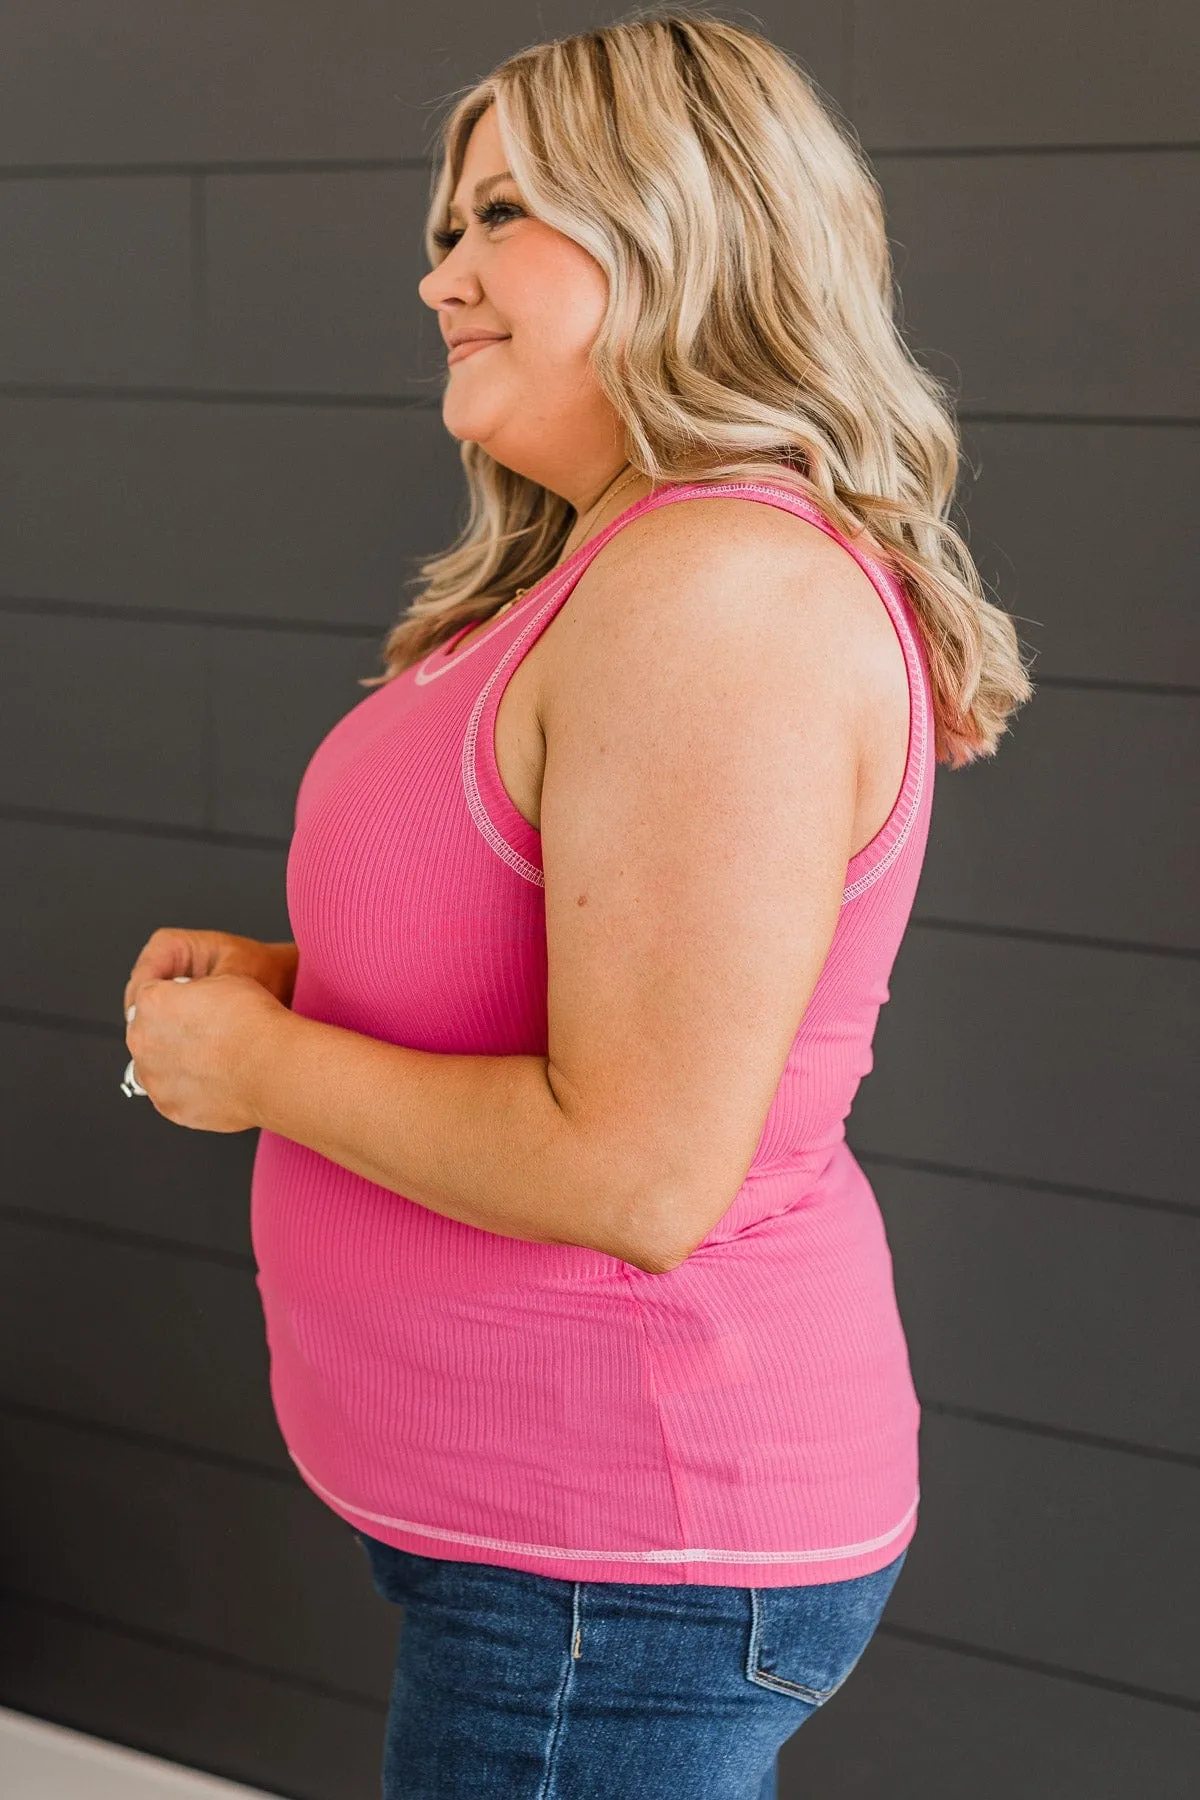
[131, 1085]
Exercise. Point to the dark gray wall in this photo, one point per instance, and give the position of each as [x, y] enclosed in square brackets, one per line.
[221, 453]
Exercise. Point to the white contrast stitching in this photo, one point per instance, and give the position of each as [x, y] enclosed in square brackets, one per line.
[918, 698]
[916, 680]
[836, 1554]
[423, 674]
[483, 819]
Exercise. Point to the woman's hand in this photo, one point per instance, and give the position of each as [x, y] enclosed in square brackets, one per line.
[172, 951]
[198, 1045]
[195, 1051]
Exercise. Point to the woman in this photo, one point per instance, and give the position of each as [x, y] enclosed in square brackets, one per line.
[580, 1311]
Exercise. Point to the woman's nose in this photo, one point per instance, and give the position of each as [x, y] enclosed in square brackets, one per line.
[451, 280]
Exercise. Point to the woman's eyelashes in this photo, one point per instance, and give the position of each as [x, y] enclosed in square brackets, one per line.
[493, 212]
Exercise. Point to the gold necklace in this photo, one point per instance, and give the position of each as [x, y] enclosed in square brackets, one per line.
[591, 509]
[605, 496]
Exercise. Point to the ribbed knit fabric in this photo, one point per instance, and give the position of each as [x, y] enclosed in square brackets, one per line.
[746, 1419]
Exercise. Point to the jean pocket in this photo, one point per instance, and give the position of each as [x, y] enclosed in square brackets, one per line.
[806, 1641]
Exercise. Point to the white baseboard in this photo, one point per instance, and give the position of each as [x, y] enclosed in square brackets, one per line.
[39, 1761]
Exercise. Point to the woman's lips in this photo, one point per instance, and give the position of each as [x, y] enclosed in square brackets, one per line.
[471, 345]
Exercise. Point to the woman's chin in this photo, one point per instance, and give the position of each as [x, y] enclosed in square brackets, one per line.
[470, 424]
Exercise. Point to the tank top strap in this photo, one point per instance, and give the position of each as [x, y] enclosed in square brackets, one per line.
[913, 802]
[510, 834]
[912, 805]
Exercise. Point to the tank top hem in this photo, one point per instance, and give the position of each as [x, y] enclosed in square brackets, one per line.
[694, 1567]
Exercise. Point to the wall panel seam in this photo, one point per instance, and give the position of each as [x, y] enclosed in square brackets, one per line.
[1036, 1666]
[1031, 934]
[52, 1021]
[375, 165]
[54, 819]
[186, 1647]
[101, 1232]
[1116, 147]
[202, 396]
[38, 606]
[1063, 1434]
[1035, 1183]
[148, 1440]
[421, 403]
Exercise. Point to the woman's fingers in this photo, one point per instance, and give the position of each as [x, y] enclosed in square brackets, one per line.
[172, 953]
[169, 953]
[131, 1009]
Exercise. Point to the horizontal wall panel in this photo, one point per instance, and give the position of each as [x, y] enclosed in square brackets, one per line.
[132, 81]
[69, 737]
[251, 1566]
[939, 73]
[1014, 294]
[71, 957]
[1077, 824]
[224, 726]
[1047, 1307]
[291, 512]
[1058, 1552]
[98, 281]
[115, 1334]
[1047, 1061]
[135, 81]
[239, 1723]
[1090, 536]
[76, 1148]
[919, 1723]
[274, 697]
[312, 283]
[321, 514]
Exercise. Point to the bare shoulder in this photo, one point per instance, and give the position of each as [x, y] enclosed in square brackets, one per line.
[726, 572]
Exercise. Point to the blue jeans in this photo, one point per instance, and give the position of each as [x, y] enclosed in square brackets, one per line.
[515, 1686]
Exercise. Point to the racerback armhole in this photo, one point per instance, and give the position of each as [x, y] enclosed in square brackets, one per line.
[519, 844]
[869, 863]
[514, 840]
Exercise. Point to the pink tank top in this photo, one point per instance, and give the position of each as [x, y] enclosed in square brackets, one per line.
[746, 1419]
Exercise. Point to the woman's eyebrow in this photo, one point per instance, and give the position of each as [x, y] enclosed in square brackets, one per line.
[481, 187]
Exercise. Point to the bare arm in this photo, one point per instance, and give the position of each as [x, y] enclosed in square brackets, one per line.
[697, 813]
[481, 1139]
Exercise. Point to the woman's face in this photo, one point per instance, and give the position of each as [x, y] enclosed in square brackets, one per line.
[528, 397]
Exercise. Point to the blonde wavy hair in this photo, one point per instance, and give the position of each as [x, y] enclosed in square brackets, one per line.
[749, 331]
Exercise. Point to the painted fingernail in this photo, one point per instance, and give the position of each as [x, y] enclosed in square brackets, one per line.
[129, 1012]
